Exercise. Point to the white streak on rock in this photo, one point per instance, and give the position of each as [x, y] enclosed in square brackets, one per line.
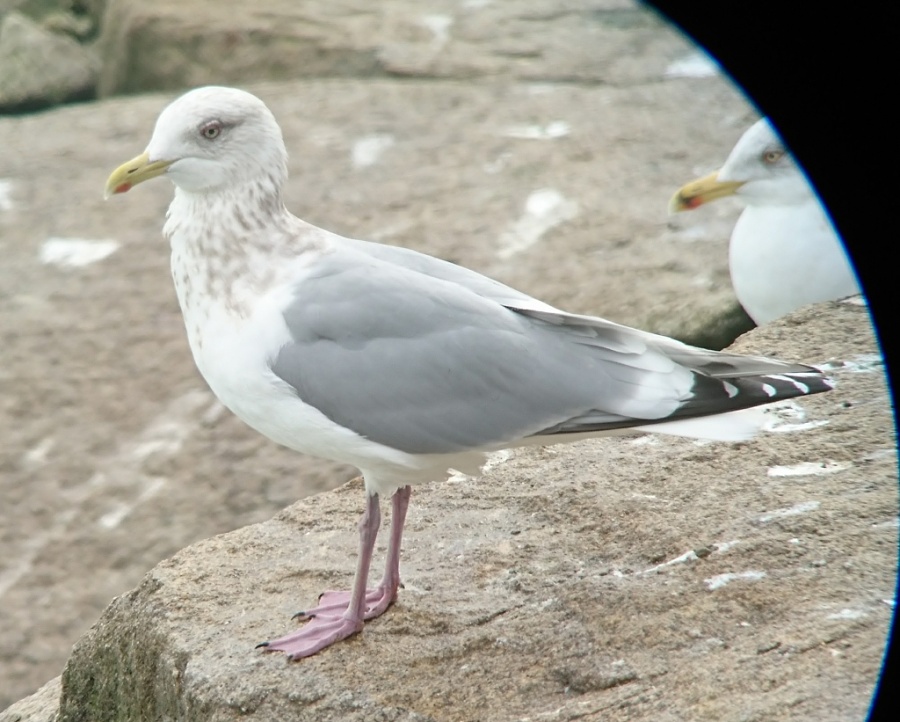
[787, 417]
[889, 524]
[553, 129]
[367, 151]
[544, 209]
[720, 580]
[37, 455]
[439, 25]
[688, 556]
[695, 65]
[809, 468]
[122, 469]
[859, 300]
[496, 458]
[6, 201]
[847, 614]
[801, 508]
[113, 518]
[75, 252]
[861, 364]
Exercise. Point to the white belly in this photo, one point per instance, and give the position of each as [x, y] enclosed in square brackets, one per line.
[785, 257]
[234, 354]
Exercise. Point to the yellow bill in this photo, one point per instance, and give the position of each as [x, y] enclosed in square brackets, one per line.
[700, 191]
[135, 171]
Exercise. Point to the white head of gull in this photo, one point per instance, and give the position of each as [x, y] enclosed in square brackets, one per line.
[784, 251]
[399, 363]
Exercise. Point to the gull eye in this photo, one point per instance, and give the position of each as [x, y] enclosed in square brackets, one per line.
[771, 157]
[211, 130]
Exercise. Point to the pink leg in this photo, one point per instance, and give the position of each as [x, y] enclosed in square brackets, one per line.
[386, 591]
[331, 623]
[340, 614]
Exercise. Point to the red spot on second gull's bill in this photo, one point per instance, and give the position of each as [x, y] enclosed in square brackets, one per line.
[124, 188]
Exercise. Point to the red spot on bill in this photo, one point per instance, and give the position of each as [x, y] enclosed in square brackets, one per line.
[689, 202]
[124, 188]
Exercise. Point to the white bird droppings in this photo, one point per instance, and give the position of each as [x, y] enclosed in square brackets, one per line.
[695, 65]
[544, 209]
[439, 25]
[554, 129]
[6, 201]
[801, 508]
[809, 468]
[496, 458]
[37, 455]
[725, 546]
[720, 580]
[847, 614]
[75, 252]
[690, 556]
[889, 524]
[367, 151]
[861, 364]
[117, 515]
[859, 300]
[790, 428]
[787, 417]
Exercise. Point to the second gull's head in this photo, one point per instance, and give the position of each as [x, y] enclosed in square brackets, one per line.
[759, 170]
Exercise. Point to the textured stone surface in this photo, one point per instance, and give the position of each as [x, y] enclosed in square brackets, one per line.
[172, 44]
[560, 571]
[42, 706]
[39, 68]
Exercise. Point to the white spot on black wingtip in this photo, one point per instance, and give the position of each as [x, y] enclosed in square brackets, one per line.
[799, 385]
[730, 389]
[769, 390]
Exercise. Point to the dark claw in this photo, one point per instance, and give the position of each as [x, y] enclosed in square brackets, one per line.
[303, 615]
[262, 644]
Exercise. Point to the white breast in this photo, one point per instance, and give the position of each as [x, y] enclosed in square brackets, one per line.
[783, 257]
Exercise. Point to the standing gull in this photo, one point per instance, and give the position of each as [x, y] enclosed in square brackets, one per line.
[784, 251]
[396, 362]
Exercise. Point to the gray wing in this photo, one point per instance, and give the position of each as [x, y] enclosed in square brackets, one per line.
[447, 271]
[426, 365]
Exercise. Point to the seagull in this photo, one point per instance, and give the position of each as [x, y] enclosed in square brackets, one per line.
[784, 251]
[401, 364]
